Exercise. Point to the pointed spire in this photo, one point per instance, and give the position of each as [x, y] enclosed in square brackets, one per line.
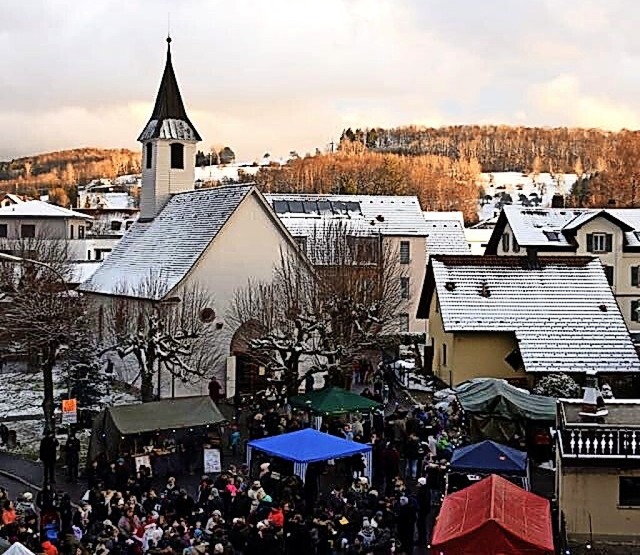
[168, 106]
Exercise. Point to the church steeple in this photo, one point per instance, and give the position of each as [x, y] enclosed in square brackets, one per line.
[169, 118]
[168, 147]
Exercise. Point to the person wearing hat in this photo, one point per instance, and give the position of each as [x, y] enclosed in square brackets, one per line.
[367, 532]
[423, 499]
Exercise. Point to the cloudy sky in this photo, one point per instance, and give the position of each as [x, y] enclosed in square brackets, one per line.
[278, 75]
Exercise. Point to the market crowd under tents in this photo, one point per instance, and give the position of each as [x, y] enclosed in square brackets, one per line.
[157, 430]
[493, 516]
[308, 446]
[499, 411]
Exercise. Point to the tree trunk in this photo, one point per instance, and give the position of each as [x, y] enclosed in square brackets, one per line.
[146, 386]
[48, 402]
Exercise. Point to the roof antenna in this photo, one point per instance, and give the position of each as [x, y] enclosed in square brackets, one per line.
[168, 30]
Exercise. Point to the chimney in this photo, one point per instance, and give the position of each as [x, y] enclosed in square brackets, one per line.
[557, 201]
[593, 407]
[532, 259]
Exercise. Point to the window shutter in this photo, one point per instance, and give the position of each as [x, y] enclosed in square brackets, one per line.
[609, 244]
[634, 276]
[589, 242]
[634, 311]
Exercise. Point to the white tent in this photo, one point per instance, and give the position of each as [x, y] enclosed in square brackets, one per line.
[18, 549]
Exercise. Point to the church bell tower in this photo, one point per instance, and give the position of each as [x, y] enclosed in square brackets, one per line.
[168, 147]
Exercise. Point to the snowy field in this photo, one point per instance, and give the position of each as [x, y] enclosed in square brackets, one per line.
[21, 400]
[537, 189]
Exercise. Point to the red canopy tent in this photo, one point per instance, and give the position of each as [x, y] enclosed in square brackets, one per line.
[493, 517]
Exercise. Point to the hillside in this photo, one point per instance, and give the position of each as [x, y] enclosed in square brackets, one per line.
[66, 168]
[500, 148]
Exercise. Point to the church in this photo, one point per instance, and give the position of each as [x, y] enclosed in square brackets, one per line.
[215, 240]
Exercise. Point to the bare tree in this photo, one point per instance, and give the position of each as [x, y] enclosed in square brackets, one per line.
[178, 334]
[40, 318]
[327, 315]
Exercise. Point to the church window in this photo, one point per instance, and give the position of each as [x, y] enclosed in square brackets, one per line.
[149, 155]
[177, 156]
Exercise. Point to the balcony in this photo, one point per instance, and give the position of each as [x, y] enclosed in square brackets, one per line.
[617, 436]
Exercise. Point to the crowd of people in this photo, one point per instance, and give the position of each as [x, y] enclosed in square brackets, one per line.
[337, 510]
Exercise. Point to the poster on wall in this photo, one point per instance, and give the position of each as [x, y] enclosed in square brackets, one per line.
[212, 462]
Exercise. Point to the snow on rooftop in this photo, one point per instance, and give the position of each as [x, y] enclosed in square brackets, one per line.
[39, 209]
[166, 248]
[564, 315]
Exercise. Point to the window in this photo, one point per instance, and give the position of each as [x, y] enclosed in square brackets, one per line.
[599, 242]
[27, 231]
[505, 242]
[608, 271]
[80, 232]
[552, 235]
[634, 311]
[148, 155]
[177, 156]
[404, 322]
[404, 287]
[629, 491]
[116, 225]
[444, 354]
[405, 252]
[302, 243]
[363, 249]
[516, 246]
[4, 230]
[128, 224]
[635, 274]
[71, 231]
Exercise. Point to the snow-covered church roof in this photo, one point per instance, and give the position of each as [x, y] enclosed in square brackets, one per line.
[154, 256]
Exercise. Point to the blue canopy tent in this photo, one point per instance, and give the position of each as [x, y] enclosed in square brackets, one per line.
[489, 457]
[307, 446]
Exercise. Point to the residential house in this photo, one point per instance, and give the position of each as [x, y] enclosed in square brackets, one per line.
[216, 239]
[598, 473]
[374, 224]
[446, 234]
[8, 199]
[613, 235]
[517, 318]
[24, 224]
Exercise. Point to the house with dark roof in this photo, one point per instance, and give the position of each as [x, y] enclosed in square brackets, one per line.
[612, 235]
[516, 318]
[215, 238]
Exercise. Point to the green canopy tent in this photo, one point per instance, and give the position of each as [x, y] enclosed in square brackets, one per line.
[332, 401]
[499, 411]
[114, 424]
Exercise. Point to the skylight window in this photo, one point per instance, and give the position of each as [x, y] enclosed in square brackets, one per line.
[552, 235]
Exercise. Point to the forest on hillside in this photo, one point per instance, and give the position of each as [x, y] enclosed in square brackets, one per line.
[500, 148]
[441, 183]
[34, 175]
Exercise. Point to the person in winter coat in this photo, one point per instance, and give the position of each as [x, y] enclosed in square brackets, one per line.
[48, 455]
[72, 456]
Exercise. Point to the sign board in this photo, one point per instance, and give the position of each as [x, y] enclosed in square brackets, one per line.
[143, 460]
[69, 411]
[212, 462]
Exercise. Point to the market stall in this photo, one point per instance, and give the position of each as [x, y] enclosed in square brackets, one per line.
[165, 435]
[493, 516]
[332, 401]
[499, 411]
[308, 446]
[485, 458]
